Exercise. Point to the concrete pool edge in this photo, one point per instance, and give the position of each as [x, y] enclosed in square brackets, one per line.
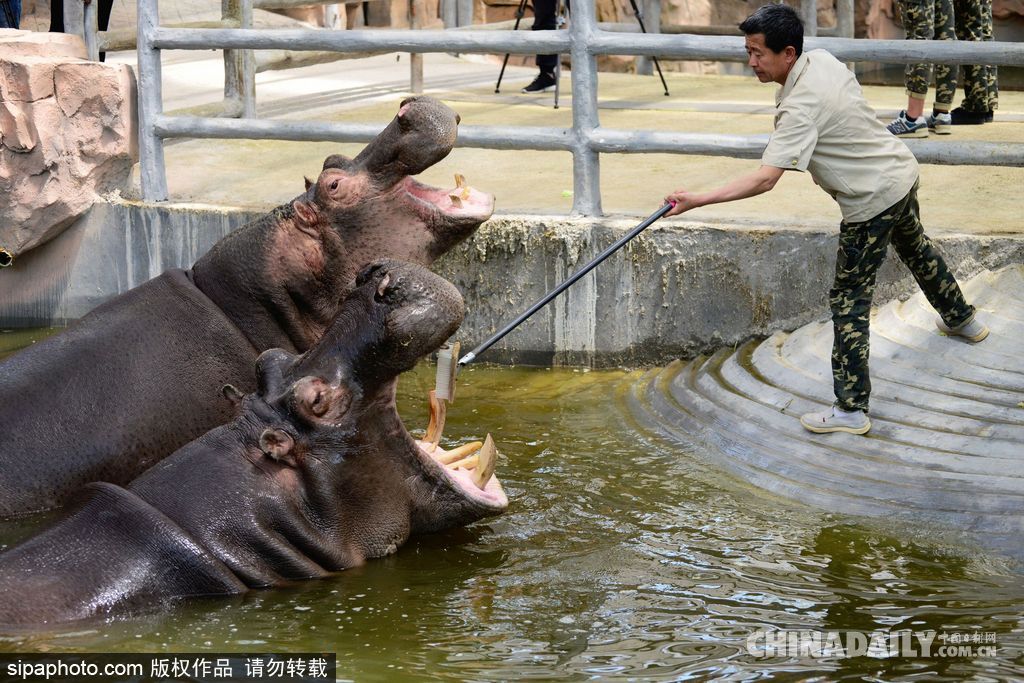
[679, 289]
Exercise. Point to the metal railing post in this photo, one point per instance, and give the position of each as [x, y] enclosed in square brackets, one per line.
[415, 58]
[91, 27]
[651, 15]
[844, 18]
[239, 65]
[809, 15]
[586, 164]
[152, 173]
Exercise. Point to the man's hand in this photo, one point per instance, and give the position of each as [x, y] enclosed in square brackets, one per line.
[683, 201]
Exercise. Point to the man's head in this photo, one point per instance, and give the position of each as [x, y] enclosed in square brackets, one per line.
[775, 38]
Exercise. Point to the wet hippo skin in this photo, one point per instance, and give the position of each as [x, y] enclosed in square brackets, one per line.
[141, 375]
[316, 473]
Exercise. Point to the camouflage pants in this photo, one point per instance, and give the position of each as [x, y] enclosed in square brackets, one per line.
[974, 22]
[862, 248]
[928, 20]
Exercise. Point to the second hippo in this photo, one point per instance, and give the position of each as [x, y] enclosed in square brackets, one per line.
[315, 474]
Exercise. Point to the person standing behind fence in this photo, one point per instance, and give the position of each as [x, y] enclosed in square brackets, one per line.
[10, 13]
[927, 20]
[545, 18]
[981, 90]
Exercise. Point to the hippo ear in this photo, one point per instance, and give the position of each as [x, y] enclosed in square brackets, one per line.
[309, 183]
[232, 393]
[280, 446]
[270, 369]
[306, 218]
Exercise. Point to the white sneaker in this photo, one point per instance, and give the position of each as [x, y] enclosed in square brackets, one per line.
[973, 330]
[835, 419]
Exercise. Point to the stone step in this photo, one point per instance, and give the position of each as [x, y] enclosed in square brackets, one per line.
[900, 382]
[887, 440]
[947, 440]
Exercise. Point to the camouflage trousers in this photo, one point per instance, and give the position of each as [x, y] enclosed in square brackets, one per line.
[928, 20]
[862, 248]
[974, 22]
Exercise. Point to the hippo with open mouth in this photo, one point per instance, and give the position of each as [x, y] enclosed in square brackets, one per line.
[315, 474]
[140, 375]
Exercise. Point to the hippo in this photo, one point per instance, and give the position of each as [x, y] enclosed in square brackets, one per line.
[139, 376]
[315, 474]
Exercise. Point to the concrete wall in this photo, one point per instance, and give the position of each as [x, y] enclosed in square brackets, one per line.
[677, 290]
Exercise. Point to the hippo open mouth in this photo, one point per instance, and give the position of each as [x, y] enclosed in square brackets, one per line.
[461, 203]
[468, 468]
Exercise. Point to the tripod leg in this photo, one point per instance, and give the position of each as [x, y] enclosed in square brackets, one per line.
[643, 29]
[519, 16]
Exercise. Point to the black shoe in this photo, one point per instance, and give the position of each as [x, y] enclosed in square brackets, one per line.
[962, 117]
[545, 82]
[991, 114]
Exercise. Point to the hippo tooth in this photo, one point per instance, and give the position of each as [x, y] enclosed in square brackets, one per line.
[437, 415]
[456, 200]
[460, 183]
[466, 463]
[487, 460]
[459, 453]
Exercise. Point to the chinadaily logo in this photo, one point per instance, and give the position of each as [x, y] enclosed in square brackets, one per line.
[878, 644]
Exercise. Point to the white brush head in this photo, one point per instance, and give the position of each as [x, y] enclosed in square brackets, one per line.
[444, 383]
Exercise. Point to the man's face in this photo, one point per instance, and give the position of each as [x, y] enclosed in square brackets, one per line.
[769, 66]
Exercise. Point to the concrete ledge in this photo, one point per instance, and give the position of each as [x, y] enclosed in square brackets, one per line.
[679, 289]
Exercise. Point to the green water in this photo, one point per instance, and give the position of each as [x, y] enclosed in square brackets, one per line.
[621, 557]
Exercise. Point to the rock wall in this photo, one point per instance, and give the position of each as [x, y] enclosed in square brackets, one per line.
[67, 134]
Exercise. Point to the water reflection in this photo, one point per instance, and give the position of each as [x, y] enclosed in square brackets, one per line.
[621, 556]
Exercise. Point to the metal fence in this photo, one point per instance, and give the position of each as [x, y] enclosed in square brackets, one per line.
[583, 41]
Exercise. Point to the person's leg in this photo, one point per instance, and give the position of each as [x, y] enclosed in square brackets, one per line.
[991, 72]
[861, 252]
[968, 15]
[56, 16]
[10, 13]
[928, 266]
[545, 19]
[946, 75]
[918, 22]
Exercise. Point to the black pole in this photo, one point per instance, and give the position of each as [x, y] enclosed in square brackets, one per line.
[469, 357]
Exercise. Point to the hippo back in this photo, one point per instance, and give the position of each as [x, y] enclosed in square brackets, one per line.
[73, 409]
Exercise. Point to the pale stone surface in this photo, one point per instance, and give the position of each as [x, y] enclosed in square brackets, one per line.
[67, 134]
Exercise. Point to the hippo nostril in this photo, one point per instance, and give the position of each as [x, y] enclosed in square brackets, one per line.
[458, 119]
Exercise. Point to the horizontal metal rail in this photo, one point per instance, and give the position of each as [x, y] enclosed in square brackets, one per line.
[604, 140]
[715, 48]
[586, 140]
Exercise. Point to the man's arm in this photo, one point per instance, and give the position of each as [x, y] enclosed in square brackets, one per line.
[749, 185]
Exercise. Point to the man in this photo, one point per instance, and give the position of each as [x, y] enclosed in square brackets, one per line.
[824, 125]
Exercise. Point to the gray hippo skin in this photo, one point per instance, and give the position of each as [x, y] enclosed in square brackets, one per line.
[140, 375]
[315, 474]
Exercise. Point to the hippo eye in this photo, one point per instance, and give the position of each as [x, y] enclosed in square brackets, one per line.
[334, 184]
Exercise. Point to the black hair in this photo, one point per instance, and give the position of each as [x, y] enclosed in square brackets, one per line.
[780, 25]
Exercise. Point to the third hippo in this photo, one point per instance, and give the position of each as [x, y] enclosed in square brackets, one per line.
[315, 474]
[140, 375]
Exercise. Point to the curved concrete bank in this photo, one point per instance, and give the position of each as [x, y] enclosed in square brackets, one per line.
[947, 439]
[679, 289]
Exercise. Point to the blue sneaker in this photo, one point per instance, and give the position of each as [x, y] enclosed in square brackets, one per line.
[940, 122]
[903, 127]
